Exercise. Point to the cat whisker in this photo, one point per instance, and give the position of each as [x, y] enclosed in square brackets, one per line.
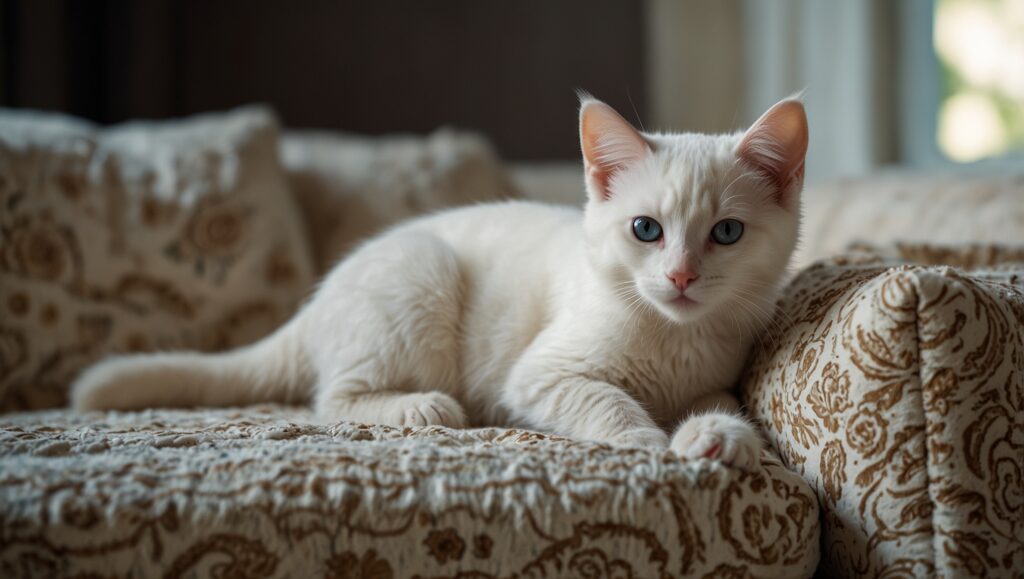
[753, 333]
[775, 313]
[771, 326]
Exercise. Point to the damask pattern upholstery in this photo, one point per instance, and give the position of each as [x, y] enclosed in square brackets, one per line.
[350, 187]
[169, 235]
[892, 386]
[896, 388]
[267, 492]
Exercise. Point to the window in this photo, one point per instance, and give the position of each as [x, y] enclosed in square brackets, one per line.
[980, 50]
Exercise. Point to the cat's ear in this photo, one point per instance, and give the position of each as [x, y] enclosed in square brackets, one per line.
[776, 145]
[609, 145]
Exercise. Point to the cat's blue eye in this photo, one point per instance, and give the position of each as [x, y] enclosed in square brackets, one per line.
[727, 232]
[646, 229]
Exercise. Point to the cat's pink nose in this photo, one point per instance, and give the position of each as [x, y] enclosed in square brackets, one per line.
[682, 279]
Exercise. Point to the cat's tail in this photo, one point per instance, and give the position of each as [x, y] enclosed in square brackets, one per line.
[275, 369]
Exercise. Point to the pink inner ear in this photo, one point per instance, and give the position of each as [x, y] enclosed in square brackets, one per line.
[776, 144]
[609, 144]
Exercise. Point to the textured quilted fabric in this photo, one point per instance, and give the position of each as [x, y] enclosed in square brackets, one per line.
[266, 492]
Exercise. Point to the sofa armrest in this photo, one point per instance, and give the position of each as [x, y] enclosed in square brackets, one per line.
[897, 391]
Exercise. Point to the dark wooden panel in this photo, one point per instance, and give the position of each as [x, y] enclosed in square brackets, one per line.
[509, 68]
[36, 53]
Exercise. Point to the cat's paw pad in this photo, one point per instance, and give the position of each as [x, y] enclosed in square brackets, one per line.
[642, 437]
[723, 437]
[432, 409]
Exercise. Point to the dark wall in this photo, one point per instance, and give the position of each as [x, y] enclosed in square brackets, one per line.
[508, 68]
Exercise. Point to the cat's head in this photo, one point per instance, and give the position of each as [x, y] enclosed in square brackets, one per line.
[692, 224]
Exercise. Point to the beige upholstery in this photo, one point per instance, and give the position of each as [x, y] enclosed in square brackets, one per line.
[941, 206]
[897, 391]
[267, 492]
[350, 187]
[144, 236]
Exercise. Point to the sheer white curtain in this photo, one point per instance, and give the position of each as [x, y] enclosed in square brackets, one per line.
[867, 69]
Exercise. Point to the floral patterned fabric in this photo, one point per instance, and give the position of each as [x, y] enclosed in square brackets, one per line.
[897, 391]
[267, 492]
[145, 236]
[350, 187]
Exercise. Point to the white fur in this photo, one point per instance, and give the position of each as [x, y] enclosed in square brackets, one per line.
[525, 314]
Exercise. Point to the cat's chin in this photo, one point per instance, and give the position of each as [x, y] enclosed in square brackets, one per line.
[682, 309]
[684, 302]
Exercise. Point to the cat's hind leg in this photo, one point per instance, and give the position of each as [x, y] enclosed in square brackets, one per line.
[386, 340]
[391, 407]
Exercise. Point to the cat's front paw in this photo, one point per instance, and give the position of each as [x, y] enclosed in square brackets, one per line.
[431, 409]
[642, 437]
[718, 436]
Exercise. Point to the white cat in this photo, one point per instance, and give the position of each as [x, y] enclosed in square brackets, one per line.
[613, 324]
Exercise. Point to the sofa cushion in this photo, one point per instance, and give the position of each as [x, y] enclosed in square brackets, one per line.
[144, 236]
[897, 391]
[985, 205]
[267, 492]
[350, 187]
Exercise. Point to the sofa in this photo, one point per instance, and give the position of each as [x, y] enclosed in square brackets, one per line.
[892, 378]
[889, 387]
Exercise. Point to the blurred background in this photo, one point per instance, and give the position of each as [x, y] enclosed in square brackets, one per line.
[911, 82]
